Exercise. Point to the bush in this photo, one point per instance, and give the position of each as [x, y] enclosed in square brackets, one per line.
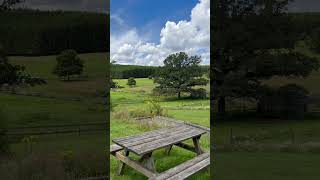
[198, 93]
[155, 108]
[150, 77]
[131, 82]
[289, 102]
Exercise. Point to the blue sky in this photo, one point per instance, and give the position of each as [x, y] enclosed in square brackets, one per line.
[149, 16]
[144, 32]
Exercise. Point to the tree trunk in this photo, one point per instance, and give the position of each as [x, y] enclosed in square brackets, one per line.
[179, 95]
[221, 107]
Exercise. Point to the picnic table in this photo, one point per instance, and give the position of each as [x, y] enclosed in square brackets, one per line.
[145, 144]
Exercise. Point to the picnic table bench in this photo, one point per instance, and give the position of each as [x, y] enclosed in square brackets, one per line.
[145, 144]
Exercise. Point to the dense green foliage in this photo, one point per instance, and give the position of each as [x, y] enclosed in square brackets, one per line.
[252, 42]
[179, 74]
[131, 82]
[13, 75]
[68, 64]
[31, 32]
[7, 4]
[126, 71]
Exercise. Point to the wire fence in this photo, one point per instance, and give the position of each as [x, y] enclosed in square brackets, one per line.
[80, 129]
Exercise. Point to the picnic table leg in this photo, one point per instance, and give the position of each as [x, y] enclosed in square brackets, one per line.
[168, 149]
[148, 162]
[122, 165]
[197, 145]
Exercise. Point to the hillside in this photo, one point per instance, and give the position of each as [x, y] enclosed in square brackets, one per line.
[31, 32]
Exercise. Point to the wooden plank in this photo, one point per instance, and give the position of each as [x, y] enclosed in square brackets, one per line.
[148, 135]
[155, 137]
[115, 148]
[191, 170]
[188, 168]
[161, 143]
[135, 165]
[157, 144]
[122, 165]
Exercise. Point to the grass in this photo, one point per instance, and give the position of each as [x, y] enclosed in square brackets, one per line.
[266, 165]
[95, 68]
[135, 99]
[87, 150]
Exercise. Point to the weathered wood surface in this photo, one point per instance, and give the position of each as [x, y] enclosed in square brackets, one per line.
[148, 142]
[186, 169]
[135, 165]
[122, 164]
[115, 148]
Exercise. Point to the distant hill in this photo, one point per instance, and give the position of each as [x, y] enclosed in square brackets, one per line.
[33, 32]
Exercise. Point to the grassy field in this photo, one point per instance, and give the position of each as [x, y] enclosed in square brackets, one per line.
[252, 147]
[85, 153]
[134, 100]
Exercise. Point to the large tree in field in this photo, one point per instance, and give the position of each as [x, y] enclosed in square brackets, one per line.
[179, 74]
[68, 64]
[252, 41]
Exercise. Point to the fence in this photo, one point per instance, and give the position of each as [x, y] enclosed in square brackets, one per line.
[56, 129]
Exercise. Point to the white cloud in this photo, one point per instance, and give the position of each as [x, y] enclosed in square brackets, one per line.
[191, 36]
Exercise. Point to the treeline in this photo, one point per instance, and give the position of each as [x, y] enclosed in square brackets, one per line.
[33, 32]
[126, 71]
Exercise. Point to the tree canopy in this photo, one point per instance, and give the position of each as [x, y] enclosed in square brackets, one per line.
[253, 40]
[7, 4]
[68, 64]
[14, 75]
[179, 74]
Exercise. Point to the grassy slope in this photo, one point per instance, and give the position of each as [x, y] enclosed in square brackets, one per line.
[95, 68]
[135, 98]
[30, 111]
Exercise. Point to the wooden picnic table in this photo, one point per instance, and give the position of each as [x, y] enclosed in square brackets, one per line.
[145, 144]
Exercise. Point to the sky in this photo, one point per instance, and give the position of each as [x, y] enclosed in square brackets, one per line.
[145, 32]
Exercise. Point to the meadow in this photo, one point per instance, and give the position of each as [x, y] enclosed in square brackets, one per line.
[134, 101]
[57, 103]
[254, 147]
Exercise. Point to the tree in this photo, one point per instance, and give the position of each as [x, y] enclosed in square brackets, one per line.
[179, 74]
[7, 4]
[253, 40]
[14, 75]
[68, 64]
[131, 82]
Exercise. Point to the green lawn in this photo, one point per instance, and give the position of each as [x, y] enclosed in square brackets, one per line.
[84, 154]
[266, 166]
[95, 68]
[135, 99]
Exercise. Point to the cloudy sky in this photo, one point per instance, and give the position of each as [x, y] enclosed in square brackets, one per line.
[145, 32]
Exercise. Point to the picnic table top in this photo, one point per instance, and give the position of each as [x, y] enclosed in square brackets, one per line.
[153, 140]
